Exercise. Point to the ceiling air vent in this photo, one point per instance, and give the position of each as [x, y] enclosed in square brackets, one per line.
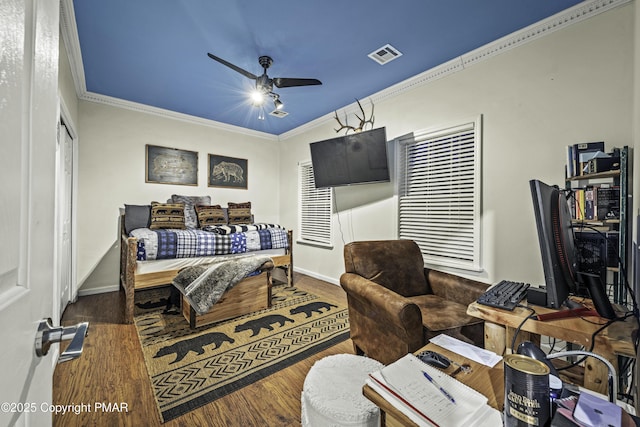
[385, 54]
[279, 113]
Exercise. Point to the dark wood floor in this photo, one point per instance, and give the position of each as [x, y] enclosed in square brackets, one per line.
[111, 370]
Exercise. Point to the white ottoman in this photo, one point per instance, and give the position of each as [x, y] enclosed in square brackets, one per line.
[332, 393]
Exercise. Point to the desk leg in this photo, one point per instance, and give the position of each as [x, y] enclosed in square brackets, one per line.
[522, 336]
[494, 337]
[497, 338]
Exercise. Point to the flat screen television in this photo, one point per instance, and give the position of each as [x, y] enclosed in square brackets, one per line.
[557, 247]
[358, 158]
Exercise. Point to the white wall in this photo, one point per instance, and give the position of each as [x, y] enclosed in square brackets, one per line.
[112, 173]
[570, 86]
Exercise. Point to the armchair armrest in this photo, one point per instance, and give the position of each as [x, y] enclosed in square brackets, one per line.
[392, 306]
[454, 288]
[384, 324]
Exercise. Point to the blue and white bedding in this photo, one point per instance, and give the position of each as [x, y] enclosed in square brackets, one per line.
[223, 240]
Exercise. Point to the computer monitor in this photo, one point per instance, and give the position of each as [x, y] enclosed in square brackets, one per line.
[557, 247]
[555, 236]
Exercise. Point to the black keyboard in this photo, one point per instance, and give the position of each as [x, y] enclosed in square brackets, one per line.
[506, 295]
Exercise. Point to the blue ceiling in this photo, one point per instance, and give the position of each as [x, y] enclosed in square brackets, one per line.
[154, 52]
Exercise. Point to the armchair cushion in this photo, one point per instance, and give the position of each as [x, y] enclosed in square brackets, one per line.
[439, 314]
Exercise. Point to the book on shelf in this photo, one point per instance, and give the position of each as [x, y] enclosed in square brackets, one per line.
[439, 401]
[595, 203]
[589, 203]
[579, 208]
[607, 202]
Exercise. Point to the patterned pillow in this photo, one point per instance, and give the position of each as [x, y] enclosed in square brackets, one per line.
[167, 215]
[190, 216]
[210, 215]
[239, 213]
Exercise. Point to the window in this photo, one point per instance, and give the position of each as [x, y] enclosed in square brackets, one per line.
[315, 209]
[439, 194]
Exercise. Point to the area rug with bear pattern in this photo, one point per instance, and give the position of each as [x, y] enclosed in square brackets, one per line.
[189, 368]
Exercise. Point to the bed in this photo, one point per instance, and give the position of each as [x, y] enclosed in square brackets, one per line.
[145, 266]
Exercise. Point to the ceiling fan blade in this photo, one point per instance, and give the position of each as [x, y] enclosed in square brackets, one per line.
[287, 82]
[233, 67]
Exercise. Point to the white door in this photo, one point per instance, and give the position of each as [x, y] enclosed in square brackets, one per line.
[28, 117]
[64, 204]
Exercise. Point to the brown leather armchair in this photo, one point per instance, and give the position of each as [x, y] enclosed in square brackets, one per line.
[396, 305]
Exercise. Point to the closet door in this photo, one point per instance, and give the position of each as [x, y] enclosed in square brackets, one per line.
[64, 209]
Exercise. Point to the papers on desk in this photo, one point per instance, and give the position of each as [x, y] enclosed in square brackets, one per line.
[592, 411]
[405, 385]
[469, 351]
[588, 410]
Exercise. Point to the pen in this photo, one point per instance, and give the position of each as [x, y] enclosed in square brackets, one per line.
[443, 391]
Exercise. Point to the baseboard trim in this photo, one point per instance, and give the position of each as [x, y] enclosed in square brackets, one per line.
[100, 290]
[317, 276]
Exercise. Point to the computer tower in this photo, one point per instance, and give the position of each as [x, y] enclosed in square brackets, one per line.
[596, 251]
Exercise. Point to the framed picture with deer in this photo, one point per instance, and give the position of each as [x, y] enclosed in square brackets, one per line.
[227, 172]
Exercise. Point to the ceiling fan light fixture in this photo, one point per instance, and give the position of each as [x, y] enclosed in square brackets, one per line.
[257, 98]
[279, 105]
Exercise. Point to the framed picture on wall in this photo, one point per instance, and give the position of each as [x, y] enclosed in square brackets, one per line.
[171, 166]
[228, 172]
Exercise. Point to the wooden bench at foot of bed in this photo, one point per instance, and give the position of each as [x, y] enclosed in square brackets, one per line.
[249, 295]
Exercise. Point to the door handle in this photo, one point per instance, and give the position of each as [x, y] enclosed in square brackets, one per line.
[48, 334]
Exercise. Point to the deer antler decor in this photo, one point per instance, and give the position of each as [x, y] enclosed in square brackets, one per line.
[363, 120]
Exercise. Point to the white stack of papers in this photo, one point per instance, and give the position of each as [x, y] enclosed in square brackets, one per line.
[469, 351]
[405, 385]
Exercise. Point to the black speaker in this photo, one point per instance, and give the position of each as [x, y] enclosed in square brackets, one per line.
[537, 296]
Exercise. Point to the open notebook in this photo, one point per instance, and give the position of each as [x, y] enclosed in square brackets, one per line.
[404, 385]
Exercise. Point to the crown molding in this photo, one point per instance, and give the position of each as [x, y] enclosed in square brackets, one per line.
[542, 28]
[71, 41]
[578, 13]
[143, 108]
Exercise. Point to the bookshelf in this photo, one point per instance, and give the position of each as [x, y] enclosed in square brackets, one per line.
[600, 205]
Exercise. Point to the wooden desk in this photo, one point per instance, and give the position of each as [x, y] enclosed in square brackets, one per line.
[500, 326]
[488, 381]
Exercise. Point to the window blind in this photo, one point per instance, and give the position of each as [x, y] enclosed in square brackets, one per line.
[439, 194]
[315, 209]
